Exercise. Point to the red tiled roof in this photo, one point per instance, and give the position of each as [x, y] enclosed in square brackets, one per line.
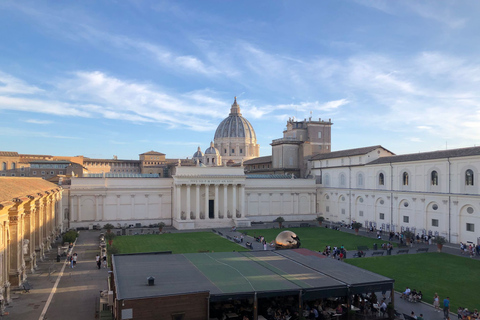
[18, 187]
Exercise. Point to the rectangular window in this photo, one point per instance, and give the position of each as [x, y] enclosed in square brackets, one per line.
[382, 216]
[360, 213]
[406, 219]
[470, 227]
[241, 150]
[225, 151]
[327, 209]
[319, 135]
[343, 211]
[434, 222]
[233, 150]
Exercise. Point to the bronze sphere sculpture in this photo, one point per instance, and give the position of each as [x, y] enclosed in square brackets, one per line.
[287, 240]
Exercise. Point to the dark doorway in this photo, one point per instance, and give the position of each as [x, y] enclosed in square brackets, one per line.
[211, 209]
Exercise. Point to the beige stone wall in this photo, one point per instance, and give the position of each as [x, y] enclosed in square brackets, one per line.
[28, 226]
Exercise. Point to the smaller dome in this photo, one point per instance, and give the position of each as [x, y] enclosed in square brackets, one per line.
[212, 150]
[198, 154]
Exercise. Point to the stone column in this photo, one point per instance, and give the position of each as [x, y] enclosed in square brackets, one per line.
[28, 238]
[207, 198]
[197, 202]
[79, 209]
[39, 250]
[178, 202]
[234, 201]
[117, 204]
[225, 201]
[281, 203]
[293, 202]
[215, 214]
[146, 204]
[73, 212]
[188, 202]
[97, 214]
[4, 265]
[160, 205]
[270, 203]
[132, 207]
[15, 252]
[104, 206]
[242, 201]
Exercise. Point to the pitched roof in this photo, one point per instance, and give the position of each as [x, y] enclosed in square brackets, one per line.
[8, 154]
[440, 154]
[18, 187]
[153, 152]
[259, 160]
[346, 153]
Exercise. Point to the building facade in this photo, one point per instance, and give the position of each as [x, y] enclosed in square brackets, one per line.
[30, 221]
[433, 193]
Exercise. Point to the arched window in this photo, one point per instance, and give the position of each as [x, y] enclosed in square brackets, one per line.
[434, 178]
[381, 179]
[405, 179]
[360, 179]
[14, 166]
[469, 177]
[342, 180]
[4, 166]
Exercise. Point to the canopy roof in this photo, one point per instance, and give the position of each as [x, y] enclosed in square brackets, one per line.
[239, 274]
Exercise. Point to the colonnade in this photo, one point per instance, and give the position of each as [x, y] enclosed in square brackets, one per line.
[228, 201]
[28, 227]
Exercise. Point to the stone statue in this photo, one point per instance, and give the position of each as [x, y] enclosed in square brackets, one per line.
[25, 246]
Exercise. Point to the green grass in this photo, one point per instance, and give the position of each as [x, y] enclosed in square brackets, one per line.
[175, 242]
[448, 275]
[317, 238]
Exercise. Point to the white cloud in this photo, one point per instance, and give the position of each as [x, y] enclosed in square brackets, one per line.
[12, 85]
[36, 121]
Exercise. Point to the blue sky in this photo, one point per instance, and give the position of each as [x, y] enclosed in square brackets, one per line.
[104, 78]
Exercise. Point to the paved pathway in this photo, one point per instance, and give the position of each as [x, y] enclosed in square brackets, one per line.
[78, 288]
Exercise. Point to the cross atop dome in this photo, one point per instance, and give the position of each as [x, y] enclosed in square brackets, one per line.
[235, 110]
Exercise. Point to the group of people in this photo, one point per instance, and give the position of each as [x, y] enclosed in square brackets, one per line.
[469, 249]
[464, 313]
[100, 261]
[72, 260]
[412, 295]
[338, 253]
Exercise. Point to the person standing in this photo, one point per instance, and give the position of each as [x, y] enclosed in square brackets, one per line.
[97, 260]
[446, 307]
[75, 255]
[104, 261]
[436, 302]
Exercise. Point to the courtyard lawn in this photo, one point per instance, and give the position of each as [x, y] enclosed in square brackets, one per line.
[175, 242]
[448, 275]
[316, 239]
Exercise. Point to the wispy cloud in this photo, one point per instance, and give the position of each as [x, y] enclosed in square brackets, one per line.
[36, 121]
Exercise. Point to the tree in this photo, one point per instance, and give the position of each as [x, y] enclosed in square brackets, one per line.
[110, 236]
[320, 220]
[356, 226]
[440, 241]
[280, 221]
[161, 225]
[109, 227]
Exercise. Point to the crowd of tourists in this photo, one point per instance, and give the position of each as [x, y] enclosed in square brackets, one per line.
[338, 253]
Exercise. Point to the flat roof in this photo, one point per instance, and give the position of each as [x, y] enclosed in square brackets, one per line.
[234, 274]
